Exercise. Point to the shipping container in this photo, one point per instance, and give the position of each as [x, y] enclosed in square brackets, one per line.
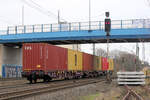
[74, 60]
[33, 56]
[56, 58]
[100, 64]
[45, 57]
[105, 63]
[97, 63]
[111, 65]
[88, 62]
[11, 71]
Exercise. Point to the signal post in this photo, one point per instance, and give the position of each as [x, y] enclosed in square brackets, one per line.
[107, 30]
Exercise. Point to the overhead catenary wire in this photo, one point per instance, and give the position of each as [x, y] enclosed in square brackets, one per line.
[39, 8]
[51, 13]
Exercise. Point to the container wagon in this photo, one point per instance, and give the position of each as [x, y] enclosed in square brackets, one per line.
[47, 62]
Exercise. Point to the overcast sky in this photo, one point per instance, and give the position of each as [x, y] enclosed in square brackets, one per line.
[71, 10]
[45, 11]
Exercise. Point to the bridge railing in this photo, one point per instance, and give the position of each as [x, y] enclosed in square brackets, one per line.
[78, 26]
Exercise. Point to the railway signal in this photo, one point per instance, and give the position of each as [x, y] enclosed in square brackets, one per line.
[107, 24]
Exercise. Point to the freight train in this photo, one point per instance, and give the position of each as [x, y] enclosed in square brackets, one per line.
[47, 62]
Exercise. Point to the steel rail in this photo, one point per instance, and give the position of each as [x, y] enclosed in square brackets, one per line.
[49, 88]
[131, 92]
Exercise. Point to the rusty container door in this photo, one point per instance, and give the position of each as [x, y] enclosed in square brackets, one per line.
[33, 56]
[87, 62]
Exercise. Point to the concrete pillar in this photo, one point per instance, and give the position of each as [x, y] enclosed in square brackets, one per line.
[10, 55]
[0, 61]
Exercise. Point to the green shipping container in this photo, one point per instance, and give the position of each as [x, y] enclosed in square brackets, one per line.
[97, 63]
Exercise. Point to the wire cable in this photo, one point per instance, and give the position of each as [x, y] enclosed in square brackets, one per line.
[39, 8]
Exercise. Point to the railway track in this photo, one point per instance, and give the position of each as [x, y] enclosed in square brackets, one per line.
[42, 88]
[131, 93]
[11, 82]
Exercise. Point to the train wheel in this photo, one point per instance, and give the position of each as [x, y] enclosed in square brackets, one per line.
[49, 79]
[34, 78]
[44, 79]
[30, 78]
[30, 81]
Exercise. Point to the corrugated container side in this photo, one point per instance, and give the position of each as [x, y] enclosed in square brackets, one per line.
[33, 56]
[105, 64]
[96, 62]
[42, 56]
[74, 60]
[79, 60]
[87, 62]
[111, 65]
[99, 64]
[56, 58]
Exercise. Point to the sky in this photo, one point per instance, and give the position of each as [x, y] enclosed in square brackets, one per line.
[45, 12]
[70, 10]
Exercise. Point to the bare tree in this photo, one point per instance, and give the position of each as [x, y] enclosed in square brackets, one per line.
[123, 60]
[101, 52]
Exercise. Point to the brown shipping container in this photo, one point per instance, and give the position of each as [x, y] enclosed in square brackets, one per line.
[87, 62]
[42, 56]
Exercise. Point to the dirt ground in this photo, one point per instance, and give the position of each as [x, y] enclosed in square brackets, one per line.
[107, 92]
[115, 92]
[97, 91]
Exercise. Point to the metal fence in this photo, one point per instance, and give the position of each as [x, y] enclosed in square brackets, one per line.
[78, 26]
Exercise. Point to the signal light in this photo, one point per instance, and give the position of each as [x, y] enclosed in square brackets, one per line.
[107, 26]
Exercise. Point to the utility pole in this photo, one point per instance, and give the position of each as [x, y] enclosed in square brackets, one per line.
[94, 49]
[58, 17]
[137, 56]
[22, 15]
[89, 15]
[90, 25]
[23, 30]
[143, 52]
[137, 50]
[107, 47]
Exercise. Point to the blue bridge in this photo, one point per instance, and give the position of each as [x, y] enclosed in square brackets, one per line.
[135, 30]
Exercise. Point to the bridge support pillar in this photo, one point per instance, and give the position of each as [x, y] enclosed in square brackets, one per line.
[9, 56]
